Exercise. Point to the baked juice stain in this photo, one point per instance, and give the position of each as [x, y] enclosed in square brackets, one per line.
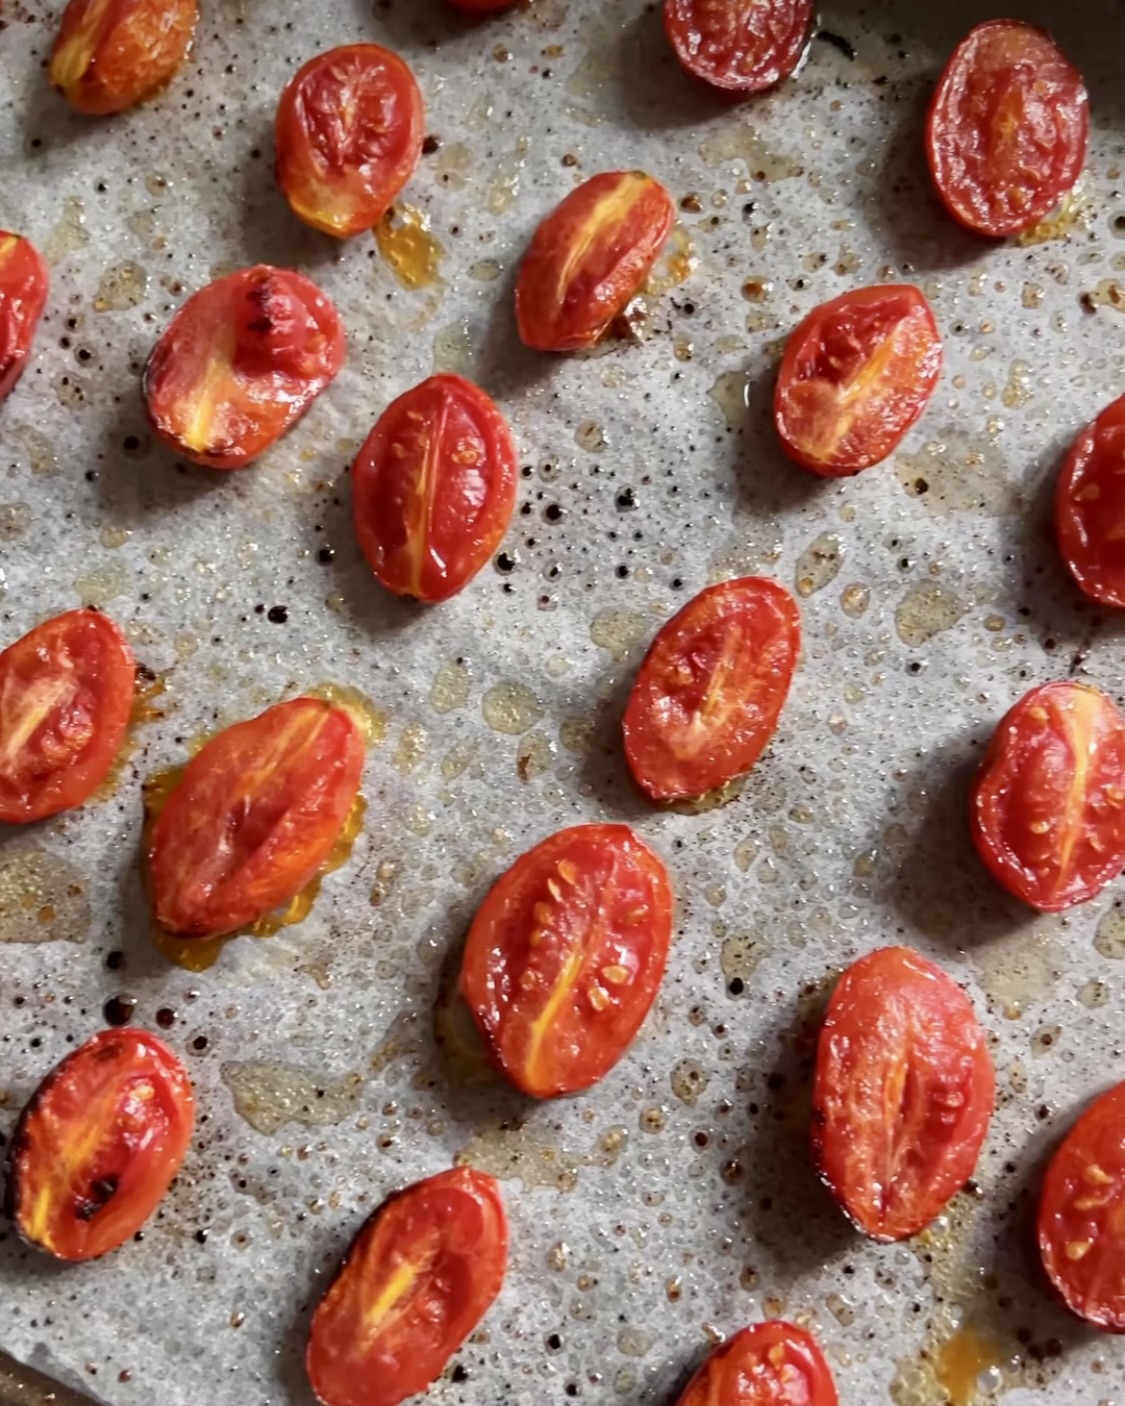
[966, 1362]
[147, 708]
[408, 248]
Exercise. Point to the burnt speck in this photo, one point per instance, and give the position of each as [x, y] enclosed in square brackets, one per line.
[626, 500]
[201, 1235]
[199, 1043]
[277, 614]
[505, 563]
[118, 1010]
[459, 1373]
[430, 144]
[554, 1342]
[737, 986]
[325, 555]
[845, 46]
[115, 960]
[165, 1017]
[553, 512]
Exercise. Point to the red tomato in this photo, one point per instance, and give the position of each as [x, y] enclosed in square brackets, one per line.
[711, 688]
[903, 1095]
[1046, 809]
[253, 818]
[23, 295]
[348, 136]
[110, 54]
[241, 361]
[565, 956]
[97, 1146]
[66, 691]
[1007, 128]
[857, 373]
[588, 257]
[1090, 507]
[419, 1277]
[741, 46]
[1081, 1213]
[770, 1364]
[434, 487]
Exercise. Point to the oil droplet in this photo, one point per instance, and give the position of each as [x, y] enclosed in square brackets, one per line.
[926, 610]
[618, 631]
[505, 184]
[819, 564]
[70, 232]
[453, 163]
[406, 244]
[739, 142]
[731, 393]
[15, 519]
[511, 708]
[42, 898]
[486, 270]
[1019, 968]
[1068, 219]
[855, 599]
[114, 537]
[122, 286]
[450, 688]
[953, 474]
[520, 1154]
[103, 584]
[411, 748]
[591, 437]
[458, 758]
[371, 720]
[689, 1081]
[1108, 294]
[677, 262]
[41, 456]
[740, 955]
[453, 349]
[268, 1095]
[1109, 941]
[536, 751]
[1093, 994]
[1018, 390]
[962, 1359]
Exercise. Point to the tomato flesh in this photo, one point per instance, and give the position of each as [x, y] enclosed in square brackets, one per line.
[241, 361]
[741, 46]
[1007, 129]
[110, 54]
[254, 816]
[588, 257]
[1090, 507]
[768, 1364]
[418, 1278]
[348, 135]
[857, 373]
[565, 956]
[1047, 809]
[98, 1144]
[904, 1093]
[23, 296]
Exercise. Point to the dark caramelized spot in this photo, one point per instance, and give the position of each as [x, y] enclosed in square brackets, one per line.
[101, 1193]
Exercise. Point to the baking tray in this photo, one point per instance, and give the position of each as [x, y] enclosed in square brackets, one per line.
[673, 1203]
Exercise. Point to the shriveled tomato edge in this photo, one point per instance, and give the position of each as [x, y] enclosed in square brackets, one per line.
[1069, 534]
[743, 86]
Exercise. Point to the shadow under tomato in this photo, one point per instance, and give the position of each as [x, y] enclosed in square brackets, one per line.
[766, 481]
[411, 26]
[504, 366]
[270, 233]
[658, 93]
[603, 770]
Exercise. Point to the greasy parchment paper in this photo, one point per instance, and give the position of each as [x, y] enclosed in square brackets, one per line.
[673, 1203]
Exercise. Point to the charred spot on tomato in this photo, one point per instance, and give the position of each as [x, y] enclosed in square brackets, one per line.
[101, 1193]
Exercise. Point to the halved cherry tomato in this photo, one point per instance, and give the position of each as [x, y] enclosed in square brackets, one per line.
[253, 817]
[1007, 128]
[565, 956]
[98, 1144]
[1047, 809]
[66, 691]
[857, 373]
[110, 54]
[348, 135]
[903, 1095]
[23, 296]
[741, 46]
[711, 688]
[241, 361]
[419, 1277]
[769, 1364]
[434, 487]
[588, 257]
[1090, 507]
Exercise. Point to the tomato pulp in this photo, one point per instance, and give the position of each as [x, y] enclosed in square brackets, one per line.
[740, 46]
[110, 54]
[768, 1364]
[1090, 507]
[23, 296]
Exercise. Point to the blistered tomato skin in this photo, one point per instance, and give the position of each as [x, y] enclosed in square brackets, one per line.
[110, 54]
[419, 1277]
[23, 296]
[98, 1144]
[588, 257]
[1090, 508]
[739, 46]
[1047, 809]
[768, 1364]
[565, 956]
[253, 818]
[434, 487]
[348, 136]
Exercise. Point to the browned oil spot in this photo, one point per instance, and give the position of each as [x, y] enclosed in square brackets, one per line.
[409, 249]
[42, 898]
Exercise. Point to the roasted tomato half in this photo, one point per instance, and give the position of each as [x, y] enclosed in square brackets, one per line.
[769, 1364]
[434, 487]
[97, 1146]
[741, 46]
[418, 1278]
[253, 818]
[588, 258]
[1090, 507]
[857, 373]
[110, 54]
[66, 691]
[348, 136]
[904, 1093]
[1048, 805]
[565, 956]
[23, 296]
[241, 361]
[711, 688]
[1007, 129]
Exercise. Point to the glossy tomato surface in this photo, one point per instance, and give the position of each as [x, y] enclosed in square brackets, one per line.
[1082, 1210]
[253, 818]
[23, 296]
[1090, 507]
[434, 487]
[1007, 128]
[857, 373]
[711, 688]
[418, 1278]
[1047, 809]
[588, 257]
[109, 54]
[769, 1364]
[565, 956]
[66, 691]
[348, 136]
[97, 1146]
[741, 46]
[241, 361]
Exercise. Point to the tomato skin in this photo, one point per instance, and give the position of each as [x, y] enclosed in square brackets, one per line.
[856, 375]
[66, 691]
[434, 488]
[731, 650]
[348, 135]
[98, 1145]
[768, 1364]
[253, 817]
[1090, 502]
[565, 956]
[23, 296]
[739, 46]
[588, 257]
[1007, 128]
[240, 363]
[1047, 809]
[903, 1095]
[418, 1278]
[110, 54]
